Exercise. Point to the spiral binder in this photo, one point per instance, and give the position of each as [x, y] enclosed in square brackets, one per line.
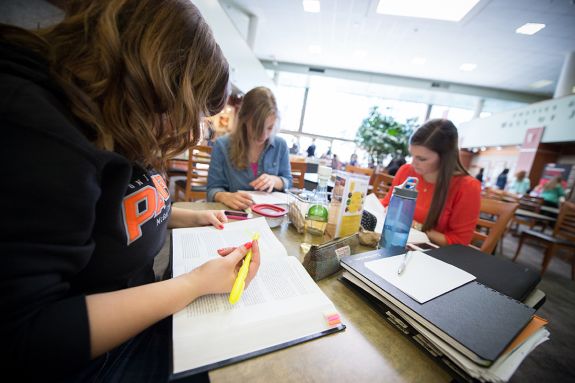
[475, 319]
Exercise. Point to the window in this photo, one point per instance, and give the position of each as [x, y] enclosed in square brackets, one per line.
[290, 103]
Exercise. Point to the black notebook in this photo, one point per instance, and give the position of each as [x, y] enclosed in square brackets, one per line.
[475, 319]
[514, 280]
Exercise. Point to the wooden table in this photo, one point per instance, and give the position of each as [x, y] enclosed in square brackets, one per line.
[369, 350]
[550, 209]
[537, 216]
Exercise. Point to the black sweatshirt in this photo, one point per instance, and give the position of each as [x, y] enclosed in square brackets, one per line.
[76, 220]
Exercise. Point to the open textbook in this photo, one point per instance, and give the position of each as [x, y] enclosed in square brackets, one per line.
[282, 306]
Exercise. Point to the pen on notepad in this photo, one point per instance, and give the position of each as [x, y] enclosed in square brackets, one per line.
[403, 264]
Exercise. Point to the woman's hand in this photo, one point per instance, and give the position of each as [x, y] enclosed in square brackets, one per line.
[266, 182]
[181, 217]
[215, 218]
[239, 200]
[217, 276]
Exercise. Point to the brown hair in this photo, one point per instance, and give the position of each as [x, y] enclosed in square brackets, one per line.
[440, 136]
[140, 73]
[258, 104]
[520, 175]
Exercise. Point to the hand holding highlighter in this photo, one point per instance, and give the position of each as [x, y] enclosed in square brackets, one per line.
[240, 281]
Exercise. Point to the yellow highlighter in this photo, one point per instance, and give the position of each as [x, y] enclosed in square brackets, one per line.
[240, 282]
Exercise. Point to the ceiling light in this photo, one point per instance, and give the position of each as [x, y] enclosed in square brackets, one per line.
[467, 67]
[530, 28]
[419, 60]
[314, 49]
[311, 6]
[449, 10]
[540, 84]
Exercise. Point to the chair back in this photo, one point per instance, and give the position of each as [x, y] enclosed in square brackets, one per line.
[530, 203]
[359, 170]
[493, 219]
[298, 169]
[565, 226]
[382, 184]
[196, 182]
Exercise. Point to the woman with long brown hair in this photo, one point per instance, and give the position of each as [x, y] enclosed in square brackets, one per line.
[251, 157]
[92, 109]
[449, 199]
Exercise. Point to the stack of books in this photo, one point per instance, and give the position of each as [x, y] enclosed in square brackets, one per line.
[464, 308]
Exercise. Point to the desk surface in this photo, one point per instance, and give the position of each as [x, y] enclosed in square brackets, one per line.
[550, 209]
[369, 350]
[530, 214]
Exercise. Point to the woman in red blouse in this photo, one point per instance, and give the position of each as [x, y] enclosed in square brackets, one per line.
[449, 199]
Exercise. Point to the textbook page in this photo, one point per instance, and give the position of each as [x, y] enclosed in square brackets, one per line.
[282, 303]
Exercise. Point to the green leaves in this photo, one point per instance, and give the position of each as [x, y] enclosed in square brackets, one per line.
[381, 135]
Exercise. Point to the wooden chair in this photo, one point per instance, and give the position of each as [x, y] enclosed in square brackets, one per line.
[532, 204]
[563, 237]
[298, 169]
[176, 168]
[193, 188]
[492, 224]
[382, 184]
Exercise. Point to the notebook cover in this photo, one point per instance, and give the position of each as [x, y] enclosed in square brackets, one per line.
[475, 317]
[514, 280]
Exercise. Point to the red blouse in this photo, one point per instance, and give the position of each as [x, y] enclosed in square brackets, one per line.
[459, 217]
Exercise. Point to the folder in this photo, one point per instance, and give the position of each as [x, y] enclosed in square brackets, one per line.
[474, 319]
[509, 278]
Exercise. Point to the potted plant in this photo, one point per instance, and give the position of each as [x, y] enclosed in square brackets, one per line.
[381, 136]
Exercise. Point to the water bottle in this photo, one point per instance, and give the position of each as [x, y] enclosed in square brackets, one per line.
[317, 215]
[399, 216]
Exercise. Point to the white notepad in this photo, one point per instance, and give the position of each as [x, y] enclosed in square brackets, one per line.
[423, 278]
[273, 198]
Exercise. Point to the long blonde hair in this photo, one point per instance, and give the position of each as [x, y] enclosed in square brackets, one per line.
[258, 104]
[140, 73]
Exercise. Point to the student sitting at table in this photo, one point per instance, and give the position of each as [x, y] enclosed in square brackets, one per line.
[448, 201]
[520, 184]
[251, 157]
[552, 192]
[100, 102]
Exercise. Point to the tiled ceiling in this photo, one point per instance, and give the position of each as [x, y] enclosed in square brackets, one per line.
[353, 36]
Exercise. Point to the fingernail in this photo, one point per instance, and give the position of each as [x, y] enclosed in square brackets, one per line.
[248, 245]
[221, 227]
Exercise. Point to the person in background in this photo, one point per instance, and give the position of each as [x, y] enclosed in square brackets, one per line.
[99, 115]
[449, 199]
[335, 164]
[502, 179]
[479, 176]
[394, 165]
[252, 157]
[520, 184]
[311, 149]
[552, 192]
[353, 160]
[294, 149]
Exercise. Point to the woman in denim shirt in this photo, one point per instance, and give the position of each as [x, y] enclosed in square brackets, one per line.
[250, 158]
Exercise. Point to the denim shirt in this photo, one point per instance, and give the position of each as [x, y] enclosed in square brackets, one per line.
[223, 176]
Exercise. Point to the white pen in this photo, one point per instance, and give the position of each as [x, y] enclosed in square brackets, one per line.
[403, 263]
